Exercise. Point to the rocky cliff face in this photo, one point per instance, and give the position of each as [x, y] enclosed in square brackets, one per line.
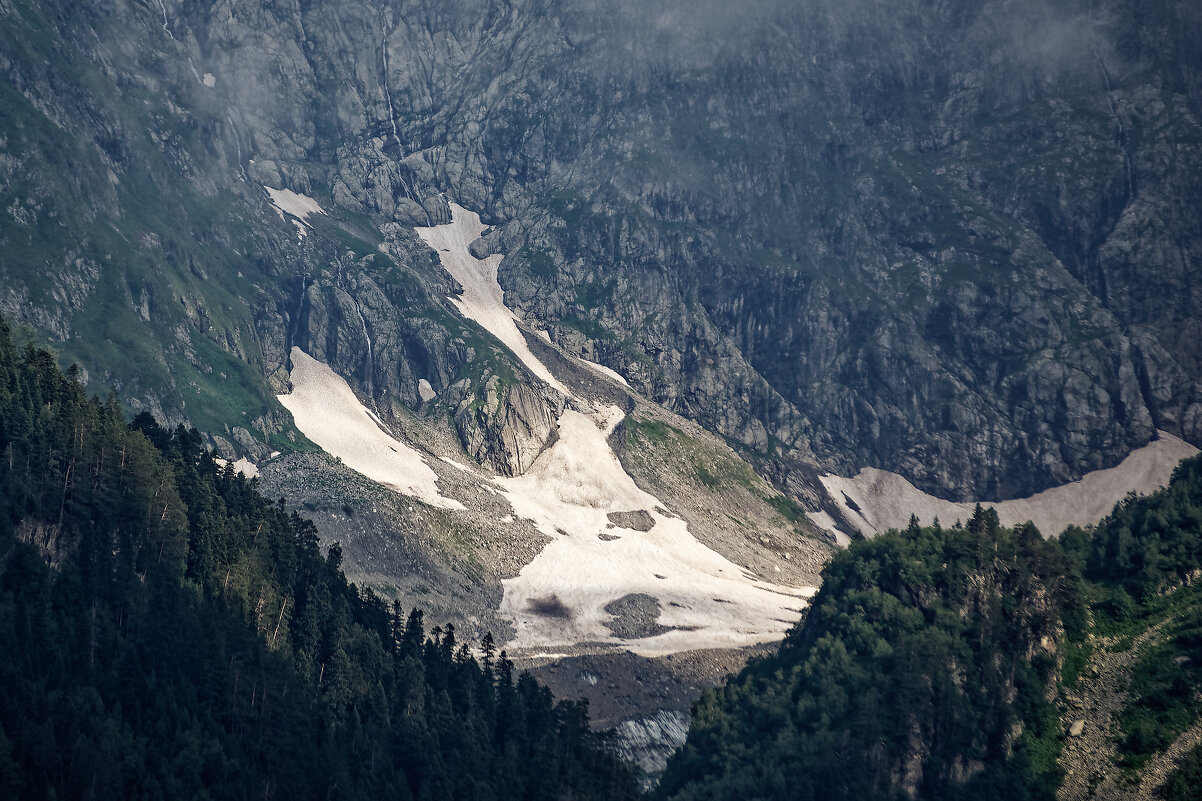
[138, 145]
[954, 240]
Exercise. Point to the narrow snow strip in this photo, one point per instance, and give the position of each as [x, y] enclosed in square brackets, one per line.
[560, 597]
[605, 371]
[482, 299]
[289, 202]
[886, 500]
[327, 412]
[166, 30]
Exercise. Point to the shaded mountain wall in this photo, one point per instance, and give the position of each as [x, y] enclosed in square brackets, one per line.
[953, 240]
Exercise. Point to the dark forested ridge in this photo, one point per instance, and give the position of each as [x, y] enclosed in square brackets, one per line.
[166, 632]
[951, 663]
[900, 678]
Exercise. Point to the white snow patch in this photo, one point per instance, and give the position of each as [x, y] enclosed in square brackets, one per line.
[242, 465]
[887, 500]
[210, 80]
[293, 203]
[166, 29]
[327, 412]
[425, 391]
[567, 493]
[482, 299]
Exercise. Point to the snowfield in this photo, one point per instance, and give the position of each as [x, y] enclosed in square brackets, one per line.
[328, 412]
[294, 203]
[482, 299]
[886, 500]
[559, 599]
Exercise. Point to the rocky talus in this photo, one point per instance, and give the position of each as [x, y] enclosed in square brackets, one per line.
[1089, 758]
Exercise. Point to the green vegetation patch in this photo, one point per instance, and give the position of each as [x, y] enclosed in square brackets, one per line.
[786, 507]
[1184, 782]
[594, 294]
[706, 477]
[655, 432]
[1164, 690]
[921, 647]
[540, 261]
[587, 326]
[569, 206]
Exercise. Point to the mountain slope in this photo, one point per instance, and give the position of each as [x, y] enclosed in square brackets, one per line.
[953, 240]
[167, 632]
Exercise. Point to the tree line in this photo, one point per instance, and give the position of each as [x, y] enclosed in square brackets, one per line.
[929, 663]
[167, 632]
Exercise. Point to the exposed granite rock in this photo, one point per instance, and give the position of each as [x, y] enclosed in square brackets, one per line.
[438, 210]
[479, 248]
[409, 212]
[635, 616]
[638, 520]
[509, 426]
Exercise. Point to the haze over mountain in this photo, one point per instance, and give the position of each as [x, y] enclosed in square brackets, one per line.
[600, 325]
[949, 240]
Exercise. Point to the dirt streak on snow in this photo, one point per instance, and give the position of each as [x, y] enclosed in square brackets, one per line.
[886, 500]
[482, 299]
[559, 598]
[327, 411]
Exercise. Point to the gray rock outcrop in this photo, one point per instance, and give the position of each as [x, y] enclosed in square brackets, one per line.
[508, 426]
